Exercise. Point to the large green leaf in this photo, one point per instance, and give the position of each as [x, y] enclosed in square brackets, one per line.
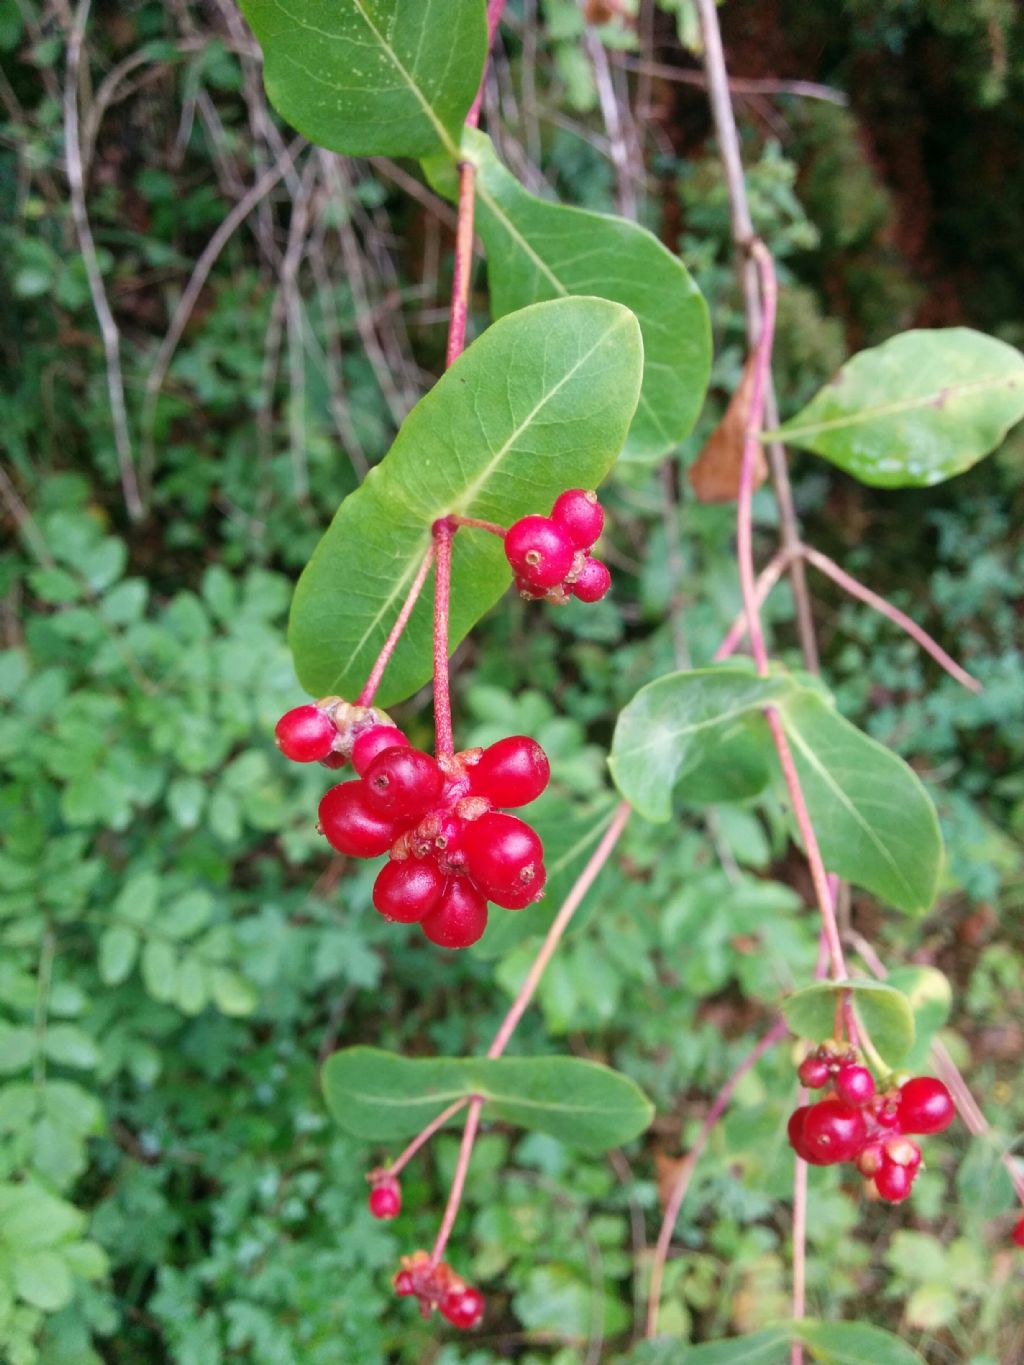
[380, 1096]
[931, 999]
[372, 77]
[874, 820]
[884, 1011]
[683, 724]
[916, 410]
[540, 402]
[829, 1343]
[541, 250]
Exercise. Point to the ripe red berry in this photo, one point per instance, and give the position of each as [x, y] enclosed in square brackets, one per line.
[893, 1182]
[460, 916]
[305, 734]
[855, 1085]
[403, 784]
[386, 1200]
[351, 826]
[834, 1131]
[795, 1131]
[407, 890]
[512, 772]
[463, 1307]
[593, 582]
[539, 551]
[926, 1106]
[1017, 1235]
[403, 1283]
[504, 857]
[813, 1072]
[530, 593]
[373, 742]
[579, 514]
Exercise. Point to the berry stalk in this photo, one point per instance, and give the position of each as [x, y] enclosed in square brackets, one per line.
[444, 744]
[369, 691]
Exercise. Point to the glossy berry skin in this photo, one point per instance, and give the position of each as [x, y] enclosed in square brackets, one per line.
[373, 742]
[504, 856]
[854, 1085]
[539, 551]
[926, 1106]
[834, 1131]
[522, 892]
[305, 734]
[593, 582]
[795, 1132]
[893, 1182]
[1017, 1235]
[406, 891]
[386, 1201]
[813, 1072]
[351, 826]
[512, 772]
[579, 514]
[404, 1284]
[403, 783]
[463, 1308]
[460, 916]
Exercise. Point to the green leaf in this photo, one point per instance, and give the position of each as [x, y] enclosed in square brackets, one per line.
[119, 947]
[540, 402]
[69, 1045]
[232, 994]
[540, 250]
[380, 1096]
[875, 822]
[372, 77]
[884, 1011]
[829, 1343]
[931, 999]
[17, 1047]
[42, 1279]
[160, 969]
[916, 410]
[679, 725]
[853, 1343]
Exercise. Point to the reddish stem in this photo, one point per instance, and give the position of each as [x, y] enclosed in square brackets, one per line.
[451, 1211]
[766, 580]
[369, 691]
[479, 524]
[425, 1135]
[899, 618]
[668, 1223]
[444, 745]
[495, 9]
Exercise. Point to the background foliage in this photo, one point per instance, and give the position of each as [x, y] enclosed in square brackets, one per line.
[179, 952]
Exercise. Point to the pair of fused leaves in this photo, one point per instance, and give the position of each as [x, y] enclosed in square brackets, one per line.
[705, 732]
[382, 1097]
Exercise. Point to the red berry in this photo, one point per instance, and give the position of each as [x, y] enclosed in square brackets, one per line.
[512, 772]
[351, 826]
[795, 1130]
[386, 1200]
[926, 1106]
[373, 742]
[539, 551]
[593, 582]
[580, 516]
[530, 593]
[504, 856]
[855, 1085]
[460, 916]
[407, 890]
[403, 1283]
[1017, 1235]
[893, 1182]
[522, 893]
[305, 734]
[403, 784]
[813, 1072]
[834, 1131]
[463, 1307]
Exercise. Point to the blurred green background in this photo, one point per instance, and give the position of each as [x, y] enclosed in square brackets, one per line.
[179, 950]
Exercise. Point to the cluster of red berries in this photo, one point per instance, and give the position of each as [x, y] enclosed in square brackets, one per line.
[859, 1123]
[550, 556]
[438, 1286]
[451, 849]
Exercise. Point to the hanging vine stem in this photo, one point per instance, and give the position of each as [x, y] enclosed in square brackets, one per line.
[444, 740]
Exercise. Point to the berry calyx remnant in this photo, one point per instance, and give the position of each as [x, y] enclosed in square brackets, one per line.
[386, 1198]
[551, 557]
[858, 1122]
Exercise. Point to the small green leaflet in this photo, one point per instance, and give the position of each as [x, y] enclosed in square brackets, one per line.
[874, 820]
[884, 1011]
[828, 1343]
[540, 402]
[541, 250]
[372, 77]
[381, 1097]
[916, 410]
